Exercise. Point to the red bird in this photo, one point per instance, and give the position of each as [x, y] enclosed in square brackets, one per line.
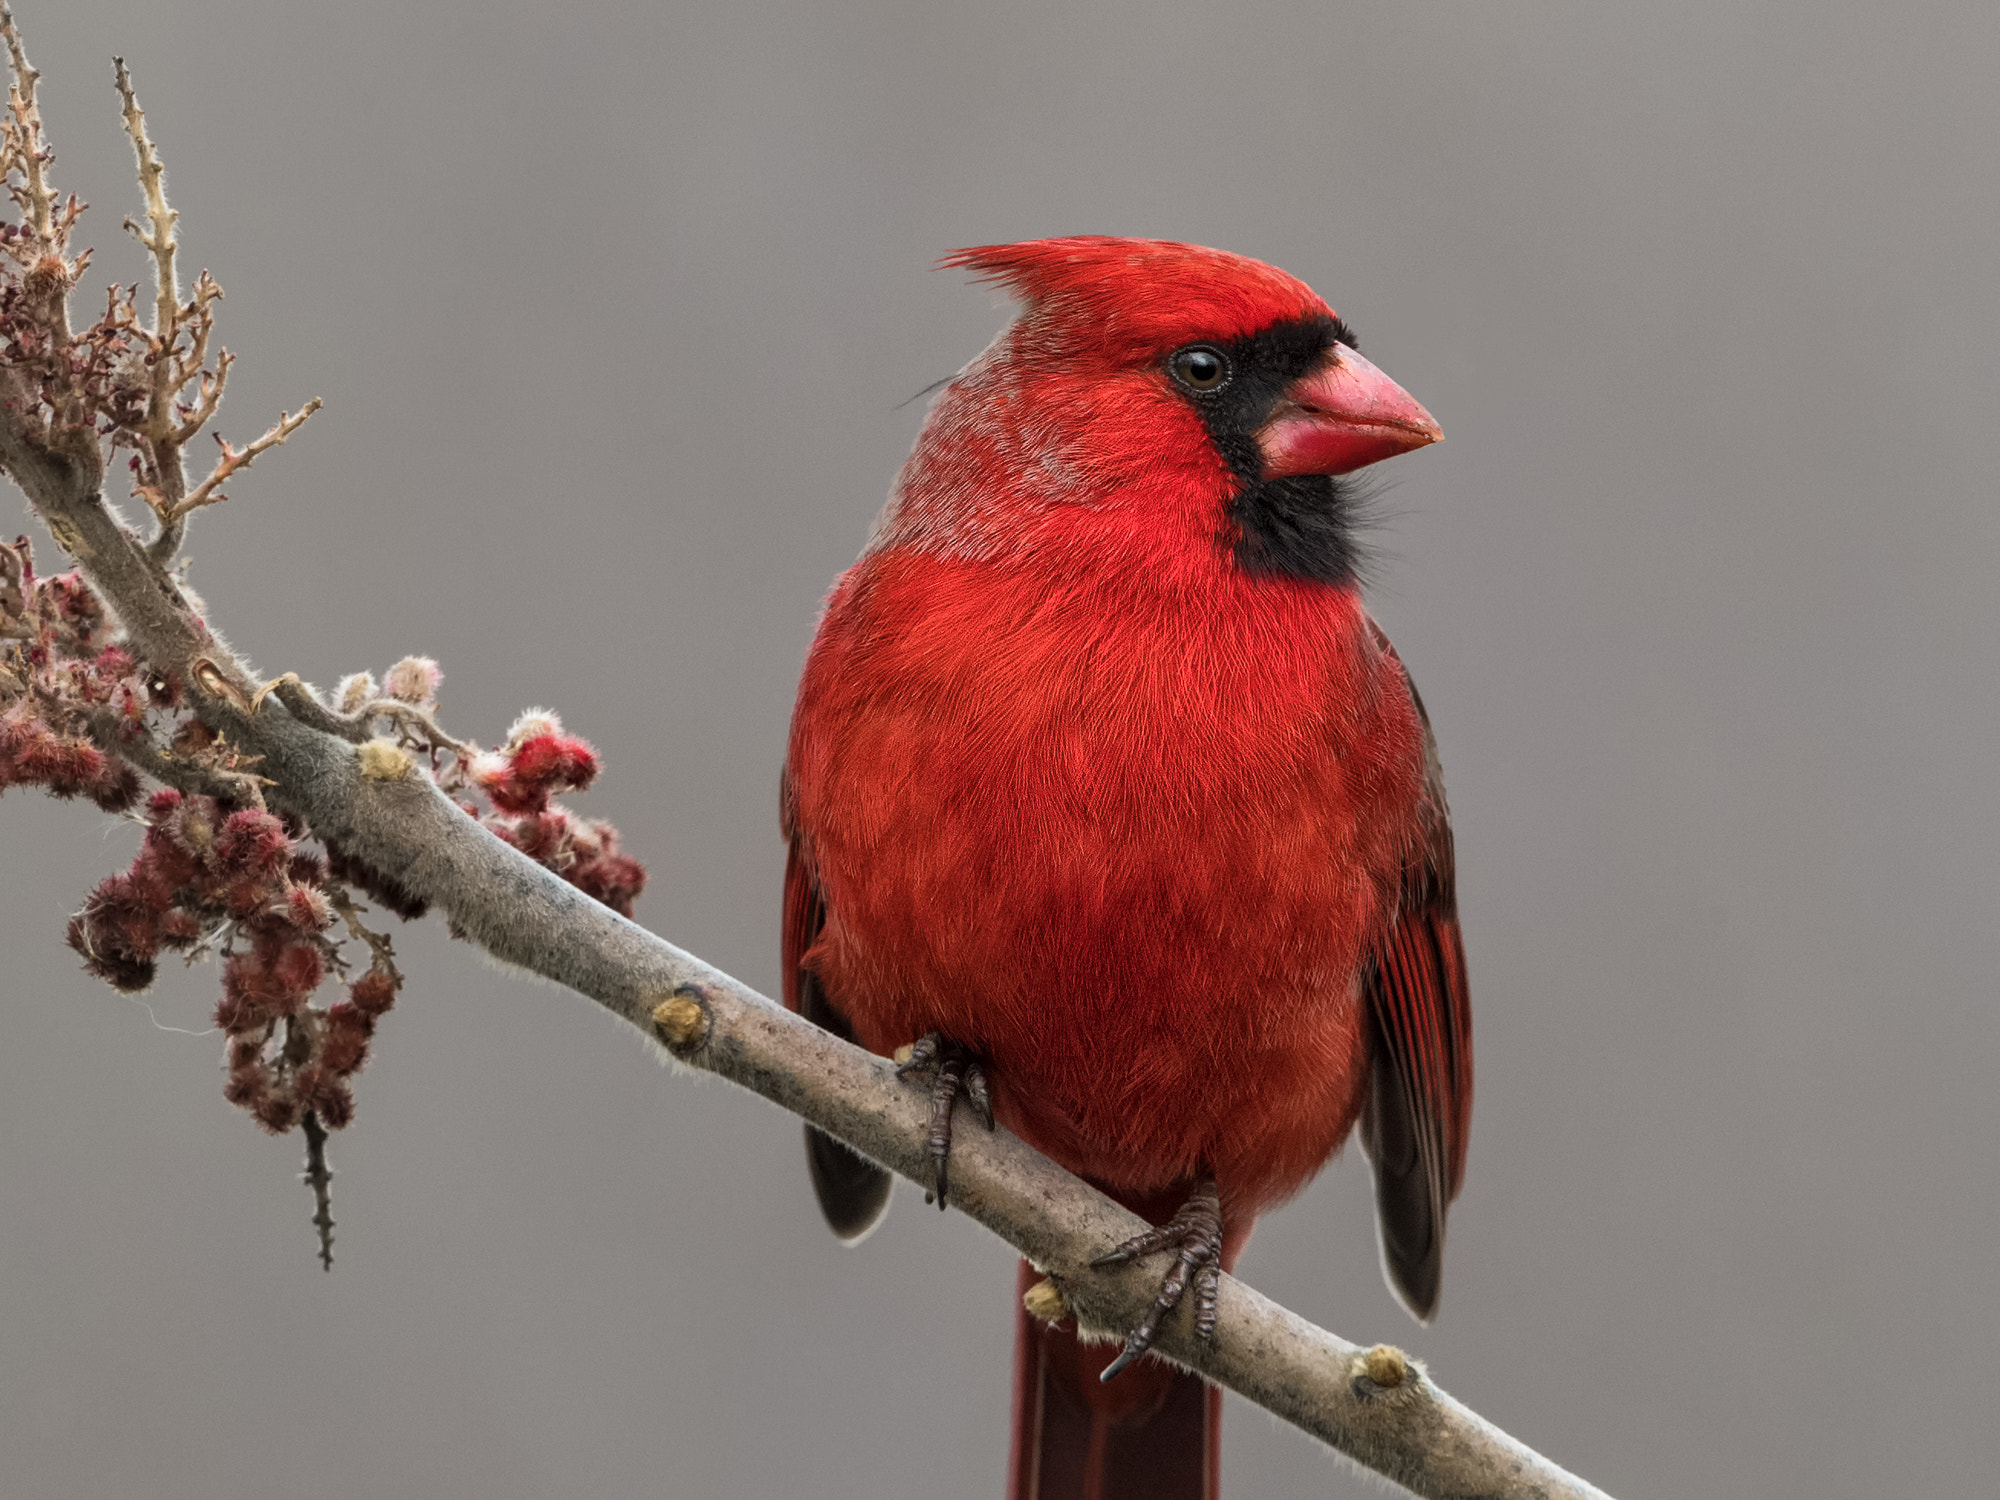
[1106, 793]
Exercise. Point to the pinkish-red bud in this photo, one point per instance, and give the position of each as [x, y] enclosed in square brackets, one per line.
[614, 879]
[237, 1012]
[298, 971]
[115, 788]
[245, 1087]
[557, 761]
[308, 909]
[334, 1103]
[344, 1052]
[540, 836]
[245, 898]
[373, 993]
[253, 842]
[277, 1112]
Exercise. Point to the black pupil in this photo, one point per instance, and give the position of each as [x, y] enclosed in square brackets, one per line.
[1201, 367]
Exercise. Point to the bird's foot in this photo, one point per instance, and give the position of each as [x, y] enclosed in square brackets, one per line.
[1195, 1236]
[954, 1070]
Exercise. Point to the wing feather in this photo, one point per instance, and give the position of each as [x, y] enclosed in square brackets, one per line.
[853, 1192]
[1419, 1103]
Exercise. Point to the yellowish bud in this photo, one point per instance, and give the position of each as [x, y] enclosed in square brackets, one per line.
[385, 760]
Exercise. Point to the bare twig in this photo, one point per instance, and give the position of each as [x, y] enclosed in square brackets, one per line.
[209, 491]
[25, 148]
[177, 355]
[189, 366]
[158, 237]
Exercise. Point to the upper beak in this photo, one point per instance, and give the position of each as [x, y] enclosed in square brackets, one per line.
[1342, 416]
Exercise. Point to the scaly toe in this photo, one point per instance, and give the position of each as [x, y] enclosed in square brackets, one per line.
[954, 1072]
[1195, 1235]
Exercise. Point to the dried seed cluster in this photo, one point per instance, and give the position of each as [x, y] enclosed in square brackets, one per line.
[60, 672]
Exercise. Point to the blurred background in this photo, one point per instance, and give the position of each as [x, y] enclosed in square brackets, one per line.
[615, 307]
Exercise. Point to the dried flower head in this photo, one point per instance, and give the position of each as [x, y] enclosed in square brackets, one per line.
[355, 692]
[414, 680]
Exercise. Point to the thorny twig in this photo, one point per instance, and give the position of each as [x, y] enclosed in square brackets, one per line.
[319, 1177]
[209, 491]
[24, 149]
[159, 239]
[147, 385]
[378, 944]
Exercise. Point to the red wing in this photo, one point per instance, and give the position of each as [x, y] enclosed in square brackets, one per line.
[805, 912]
[853, 1191]
[1419, 1105]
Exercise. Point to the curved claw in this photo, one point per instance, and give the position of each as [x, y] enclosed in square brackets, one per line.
[977, 1094]
[957, 1071]
[1195, 1234]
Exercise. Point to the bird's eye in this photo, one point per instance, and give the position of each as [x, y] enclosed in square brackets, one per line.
[1200, 368]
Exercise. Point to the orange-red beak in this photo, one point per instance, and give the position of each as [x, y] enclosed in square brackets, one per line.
[1342, 416]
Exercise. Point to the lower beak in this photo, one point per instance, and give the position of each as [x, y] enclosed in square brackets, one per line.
[1342, 416]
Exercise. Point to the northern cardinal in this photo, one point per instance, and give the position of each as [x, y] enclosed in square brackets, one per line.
[1106, 795]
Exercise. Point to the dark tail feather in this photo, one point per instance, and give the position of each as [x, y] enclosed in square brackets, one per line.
[853, 1191]
[1151, 1434]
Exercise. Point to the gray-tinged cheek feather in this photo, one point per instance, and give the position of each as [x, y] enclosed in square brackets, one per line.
[980, 468]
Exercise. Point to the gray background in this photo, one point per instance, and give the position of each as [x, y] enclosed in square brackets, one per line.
[612, 308]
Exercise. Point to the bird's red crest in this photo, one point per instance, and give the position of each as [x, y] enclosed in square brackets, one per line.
[1141, 296]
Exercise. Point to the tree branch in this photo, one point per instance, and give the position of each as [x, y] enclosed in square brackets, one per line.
[375, 805]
